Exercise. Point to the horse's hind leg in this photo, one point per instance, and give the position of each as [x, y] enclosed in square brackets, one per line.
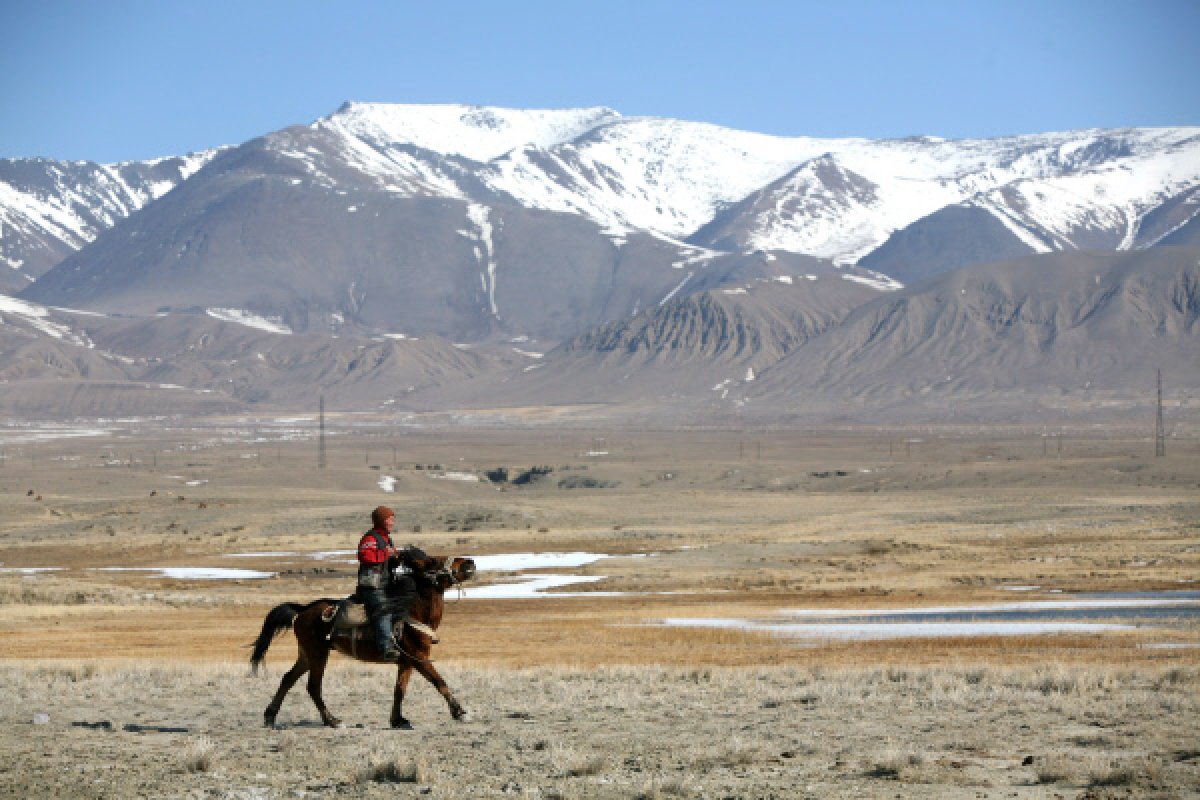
[319, 659]
[285, 685]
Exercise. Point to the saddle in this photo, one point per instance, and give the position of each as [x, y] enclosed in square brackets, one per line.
[350, 616]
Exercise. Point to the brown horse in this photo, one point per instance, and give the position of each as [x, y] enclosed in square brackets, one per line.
[313, 626]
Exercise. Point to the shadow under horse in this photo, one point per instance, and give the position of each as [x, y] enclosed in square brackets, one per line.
[313, 625]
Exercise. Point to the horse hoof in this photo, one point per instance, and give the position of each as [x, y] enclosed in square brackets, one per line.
[402, 724]
[333, 722]
[459, 714]
[269, 720]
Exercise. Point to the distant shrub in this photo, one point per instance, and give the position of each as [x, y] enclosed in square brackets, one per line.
[586, 482]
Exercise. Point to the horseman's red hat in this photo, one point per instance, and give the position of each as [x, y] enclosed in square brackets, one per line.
[380, 515]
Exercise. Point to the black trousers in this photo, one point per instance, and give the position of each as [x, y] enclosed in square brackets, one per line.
[384, 604]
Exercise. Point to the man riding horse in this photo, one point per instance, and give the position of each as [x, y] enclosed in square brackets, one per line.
[385, 592]
[417, 596]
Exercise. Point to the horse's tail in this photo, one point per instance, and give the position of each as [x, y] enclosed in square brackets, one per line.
[279, 619]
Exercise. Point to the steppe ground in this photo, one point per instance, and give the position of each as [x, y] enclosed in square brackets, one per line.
[130, 684]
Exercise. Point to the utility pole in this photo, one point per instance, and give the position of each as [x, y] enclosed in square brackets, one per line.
[321, 438]
[1160, 436]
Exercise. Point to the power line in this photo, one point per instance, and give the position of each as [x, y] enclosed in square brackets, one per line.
[1160, 437]
[321, 440]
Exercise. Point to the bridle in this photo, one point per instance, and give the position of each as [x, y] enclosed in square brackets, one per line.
[435, 576]
[449, 575]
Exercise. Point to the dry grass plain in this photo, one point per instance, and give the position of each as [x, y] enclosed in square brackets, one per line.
[131, 684]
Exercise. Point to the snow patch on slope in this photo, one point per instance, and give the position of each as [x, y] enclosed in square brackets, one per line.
[249, 319]
[38, 318]
[485, 252]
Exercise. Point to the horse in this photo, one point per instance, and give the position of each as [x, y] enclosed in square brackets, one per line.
[316, 637]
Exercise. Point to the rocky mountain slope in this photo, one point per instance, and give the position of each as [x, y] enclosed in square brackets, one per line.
[1030, 341]
[50, 209]
[1043, 339]
[1038, 338]
[59, 362]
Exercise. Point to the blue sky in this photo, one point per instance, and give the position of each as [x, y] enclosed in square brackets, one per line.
[134, 79]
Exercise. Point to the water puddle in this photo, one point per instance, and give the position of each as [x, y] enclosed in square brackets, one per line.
[1095, 613]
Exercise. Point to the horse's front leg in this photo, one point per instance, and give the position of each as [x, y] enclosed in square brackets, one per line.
[431, 674]
[397, 719]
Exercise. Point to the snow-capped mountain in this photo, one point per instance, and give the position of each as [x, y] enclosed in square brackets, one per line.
[49, 209]
[480, 134]
[479, 223]
[841, 199]
[831, 198]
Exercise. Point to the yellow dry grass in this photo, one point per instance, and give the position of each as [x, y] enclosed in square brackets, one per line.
[731, 524]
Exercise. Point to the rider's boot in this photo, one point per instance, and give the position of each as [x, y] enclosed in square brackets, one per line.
[384, 639]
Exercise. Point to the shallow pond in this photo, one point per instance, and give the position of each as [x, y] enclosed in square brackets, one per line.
[1077, 614]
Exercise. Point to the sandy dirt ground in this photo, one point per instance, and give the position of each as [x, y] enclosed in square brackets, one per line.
[121, 680]
[185, 731]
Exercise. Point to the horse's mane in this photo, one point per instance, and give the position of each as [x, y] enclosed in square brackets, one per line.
[416, 559]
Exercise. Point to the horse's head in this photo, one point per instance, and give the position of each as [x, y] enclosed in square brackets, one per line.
[444, 571]
[463, 569]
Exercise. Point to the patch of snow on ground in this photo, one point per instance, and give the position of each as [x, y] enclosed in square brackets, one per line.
[529, 586]
[326, 555]
[516, 562]
[468, 477]
[535, 586]
[278, 554]
[21, 435]
[196, 573]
